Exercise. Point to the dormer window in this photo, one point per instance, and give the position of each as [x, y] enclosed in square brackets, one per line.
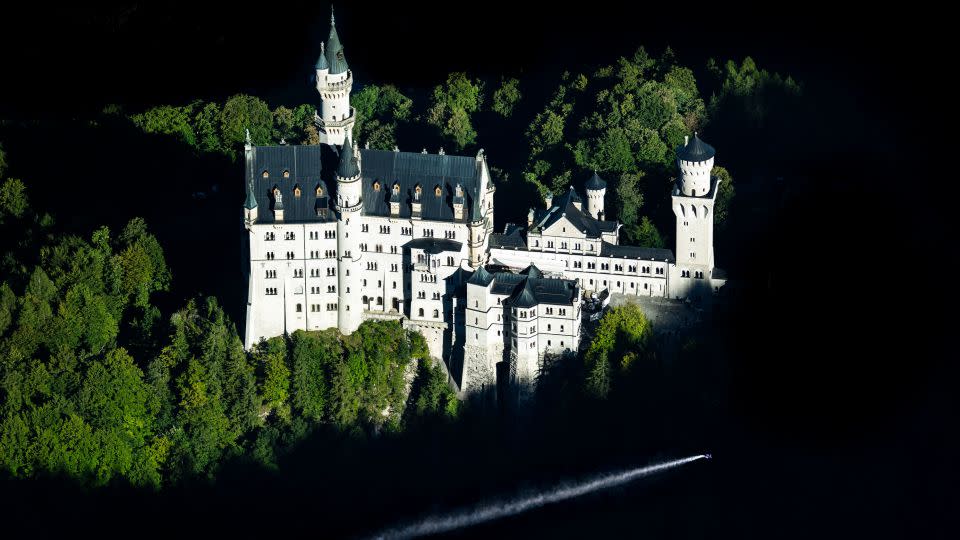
[266, 174]
[276, 191]
[396, 188]
[296, 189]
[286, 174]
[437, 191]
[319, 191]
[376, 185]
[418, 190]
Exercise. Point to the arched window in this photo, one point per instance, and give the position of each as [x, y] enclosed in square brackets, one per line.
[299, 308]
[420, 312]
[379, 300]
[436, 313]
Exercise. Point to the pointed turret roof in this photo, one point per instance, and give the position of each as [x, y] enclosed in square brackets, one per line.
[335, 57]
[348, 161]
[251, 201]
[695, 150]
[532, 271]
[480, 277]
[322, 60]
[527, 297]
[595, 182]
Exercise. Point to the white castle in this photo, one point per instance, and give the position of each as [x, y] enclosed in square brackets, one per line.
[339, 235]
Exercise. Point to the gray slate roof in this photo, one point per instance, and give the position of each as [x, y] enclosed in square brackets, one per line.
[304, 163]
[512, 238]
[334, 51]
[481, 277]
[428, 170]
[563, 205]
[695, 150]
[322, 59]
[595, 182]
[635, 252]
[347, 167]
[527, 290]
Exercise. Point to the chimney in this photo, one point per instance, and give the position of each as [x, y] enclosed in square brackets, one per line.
[548, 198]
[530, 218]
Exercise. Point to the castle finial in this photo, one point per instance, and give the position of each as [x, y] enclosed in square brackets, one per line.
[321, 48]
[333, 21]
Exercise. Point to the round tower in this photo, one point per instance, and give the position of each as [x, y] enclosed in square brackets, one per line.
[596, 189]
[335, 118]
[349, 202]
[695, 159]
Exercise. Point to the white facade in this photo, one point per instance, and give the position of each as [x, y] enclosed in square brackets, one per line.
[407, 236]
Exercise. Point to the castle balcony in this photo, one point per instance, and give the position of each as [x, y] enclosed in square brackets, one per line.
[339, 85]
[336, 123]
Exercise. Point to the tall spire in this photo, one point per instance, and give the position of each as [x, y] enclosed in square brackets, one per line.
[335, 58]
[348, 161]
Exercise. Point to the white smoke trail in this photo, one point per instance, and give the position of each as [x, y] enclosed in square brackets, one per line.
[501, 509]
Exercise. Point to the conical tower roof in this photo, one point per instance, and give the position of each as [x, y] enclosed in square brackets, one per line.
[335, 58]
[322, 59]
[348, 167]
[595, 182]
[695, 150]
[251, 201]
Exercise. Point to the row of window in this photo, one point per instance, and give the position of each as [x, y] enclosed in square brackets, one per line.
[378, 248]
[436, 313]
[686, 273]
[314, 308]
[563, 245]
[431, 278]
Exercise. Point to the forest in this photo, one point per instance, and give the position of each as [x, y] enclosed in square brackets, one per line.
[124, 383]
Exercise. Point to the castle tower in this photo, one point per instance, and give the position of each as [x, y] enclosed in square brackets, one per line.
[336, 117]
[693, 202]
[596, 189]
[349, 203]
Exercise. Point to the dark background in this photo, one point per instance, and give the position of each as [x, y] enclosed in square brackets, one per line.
[841, 373]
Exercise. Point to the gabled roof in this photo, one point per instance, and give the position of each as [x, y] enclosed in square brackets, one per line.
[532, 271]
[512, 238]
[563, 207]
[595, 182]
[695, 150]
